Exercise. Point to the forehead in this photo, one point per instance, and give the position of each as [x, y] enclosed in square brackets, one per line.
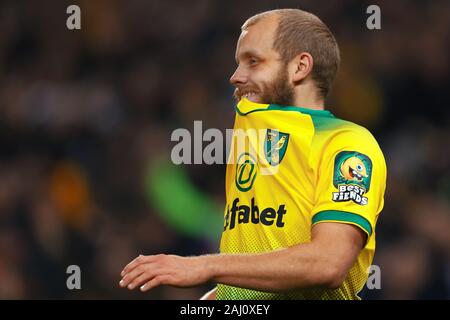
[258, 37]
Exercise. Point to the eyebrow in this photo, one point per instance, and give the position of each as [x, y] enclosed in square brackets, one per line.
[248, 53]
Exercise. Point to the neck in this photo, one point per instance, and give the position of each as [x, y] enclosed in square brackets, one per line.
[306, 97]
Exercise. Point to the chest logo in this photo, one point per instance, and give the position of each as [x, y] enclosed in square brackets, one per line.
[246, 171]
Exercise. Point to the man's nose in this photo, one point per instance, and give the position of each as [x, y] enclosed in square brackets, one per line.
[239, 77]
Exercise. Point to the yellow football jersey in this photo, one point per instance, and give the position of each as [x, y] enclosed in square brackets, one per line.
[290, 168]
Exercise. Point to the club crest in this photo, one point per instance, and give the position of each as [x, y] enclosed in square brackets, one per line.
[276, 144]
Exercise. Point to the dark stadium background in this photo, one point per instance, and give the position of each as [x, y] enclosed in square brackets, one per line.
[86, 118]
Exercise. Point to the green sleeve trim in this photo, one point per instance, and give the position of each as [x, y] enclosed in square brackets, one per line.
[343, 216]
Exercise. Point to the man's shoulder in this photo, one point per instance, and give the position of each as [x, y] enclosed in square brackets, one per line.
[355, 131]
[335, 133]
[331, 125]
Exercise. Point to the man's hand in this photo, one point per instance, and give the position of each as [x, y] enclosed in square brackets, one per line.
[149, 272]
[324, 262]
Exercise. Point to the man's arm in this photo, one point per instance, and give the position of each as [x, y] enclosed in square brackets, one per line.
[323, 262]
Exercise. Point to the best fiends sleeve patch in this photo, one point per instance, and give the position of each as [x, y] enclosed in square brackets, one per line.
[352, 173]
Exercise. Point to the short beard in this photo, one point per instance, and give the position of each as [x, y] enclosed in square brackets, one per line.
[279, 91]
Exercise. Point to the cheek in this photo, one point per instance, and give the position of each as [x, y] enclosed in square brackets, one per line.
[261, 78]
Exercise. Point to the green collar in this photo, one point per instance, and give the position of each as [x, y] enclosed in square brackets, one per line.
[246, 106]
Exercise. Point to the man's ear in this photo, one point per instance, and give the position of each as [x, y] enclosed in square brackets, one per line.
[302, 66]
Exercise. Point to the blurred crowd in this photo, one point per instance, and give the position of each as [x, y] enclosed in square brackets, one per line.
[86, 118]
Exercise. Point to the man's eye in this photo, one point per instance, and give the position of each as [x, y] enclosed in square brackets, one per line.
[253, 61]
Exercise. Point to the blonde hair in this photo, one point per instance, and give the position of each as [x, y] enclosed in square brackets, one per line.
[300, 31]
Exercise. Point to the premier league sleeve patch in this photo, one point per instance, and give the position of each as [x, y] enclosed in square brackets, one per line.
[352, 173]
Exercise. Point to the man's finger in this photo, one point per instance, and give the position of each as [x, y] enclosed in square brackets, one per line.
[156, 281]
[130, 276]
[131, 265]
[143, 278]
[136, 262]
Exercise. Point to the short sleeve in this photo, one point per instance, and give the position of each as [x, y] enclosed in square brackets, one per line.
[350, 181]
